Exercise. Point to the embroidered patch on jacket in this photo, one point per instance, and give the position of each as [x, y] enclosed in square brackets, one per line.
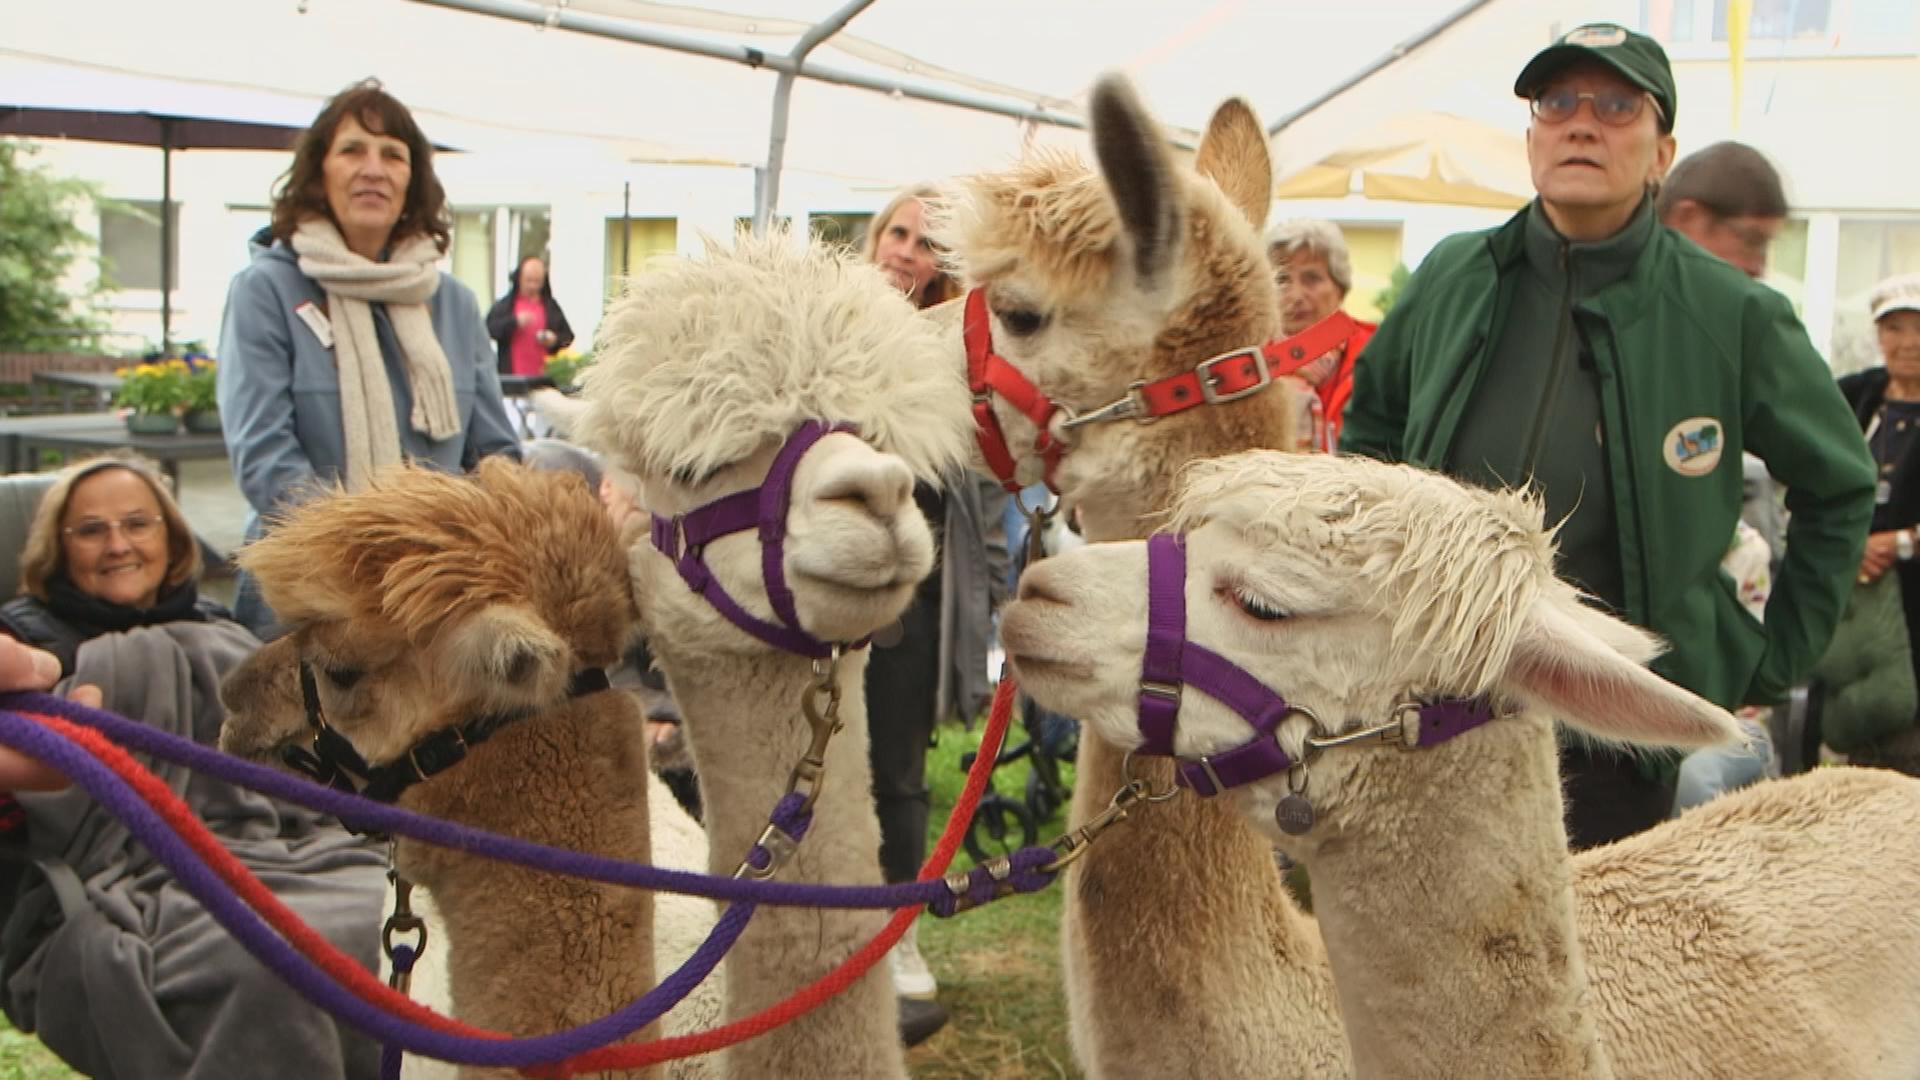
[1693, 446]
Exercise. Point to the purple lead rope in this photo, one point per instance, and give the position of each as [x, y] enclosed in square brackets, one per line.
[146, 825]
[381, 817]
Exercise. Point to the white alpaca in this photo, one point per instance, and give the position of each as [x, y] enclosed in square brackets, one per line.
[1771, 934]
[705, 368]
[1096, 282]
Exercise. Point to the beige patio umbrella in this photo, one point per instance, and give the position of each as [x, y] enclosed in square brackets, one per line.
[1421, 157]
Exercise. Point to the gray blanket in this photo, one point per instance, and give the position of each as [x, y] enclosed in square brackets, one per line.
[116, 967]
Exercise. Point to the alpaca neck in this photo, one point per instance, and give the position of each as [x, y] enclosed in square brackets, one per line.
[746, 728]
[1447, 910]
[573, 777]
[1243, 969]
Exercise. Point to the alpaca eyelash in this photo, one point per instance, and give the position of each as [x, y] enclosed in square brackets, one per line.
[1258, 607]
[1022, 322]
[343, 678]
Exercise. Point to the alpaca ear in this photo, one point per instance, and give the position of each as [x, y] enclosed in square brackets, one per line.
[1233, 154]
[1585, 668]
[507, 656]
[1138, 167]
[262, 699]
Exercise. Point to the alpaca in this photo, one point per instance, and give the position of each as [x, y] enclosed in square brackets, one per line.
[430, 601]
[705, 369]
[1770, 933]
[680, 925]
[1095, 282]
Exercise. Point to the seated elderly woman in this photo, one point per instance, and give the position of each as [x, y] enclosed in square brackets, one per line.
[1309, 259]
[115, 966]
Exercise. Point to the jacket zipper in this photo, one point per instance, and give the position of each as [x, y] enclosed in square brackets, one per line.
[1556, 375]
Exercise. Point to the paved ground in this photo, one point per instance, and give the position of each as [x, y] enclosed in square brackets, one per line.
[214, 505]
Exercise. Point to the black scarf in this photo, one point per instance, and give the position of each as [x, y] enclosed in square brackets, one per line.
[92, 616]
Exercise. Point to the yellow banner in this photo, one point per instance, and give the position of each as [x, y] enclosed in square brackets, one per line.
[1738, 13]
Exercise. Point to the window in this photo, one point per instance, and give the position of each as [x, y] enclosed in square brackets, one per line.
[1870, 251]
[841, 228]
[1373, 250]
[532, 230]
[629, 249]
[1858, 24]
[130, 243]
[1787, 263]
[472, 253]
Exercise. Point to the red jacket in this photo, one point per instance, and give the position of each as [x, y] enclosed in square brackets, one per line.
[1335, 389]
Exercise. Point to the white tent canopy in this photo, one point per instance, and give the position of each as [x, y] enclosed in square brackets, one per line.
[481, 83]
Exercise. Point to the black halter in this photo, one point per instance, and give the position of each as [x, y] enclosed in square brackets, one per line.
[333, 761]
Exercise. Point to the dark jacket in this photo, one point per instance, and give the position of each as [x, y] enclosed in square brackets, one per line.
[501, 323]
[1692, 356]
[1866, 391]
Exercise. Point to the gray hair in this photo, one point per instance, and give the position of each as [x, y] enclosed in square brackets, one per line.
[1322, 238]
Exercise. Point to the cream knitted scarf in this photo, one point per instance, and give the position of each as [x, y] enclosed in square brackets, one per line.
[405, 282]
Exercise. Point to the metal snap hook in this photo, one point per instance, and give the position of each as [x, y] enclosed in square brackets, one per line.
[1143, 784]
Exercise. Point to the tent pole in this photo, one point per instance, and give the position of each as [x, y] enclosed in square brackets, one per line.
[166, 236]
[626, 223]
[768, 197]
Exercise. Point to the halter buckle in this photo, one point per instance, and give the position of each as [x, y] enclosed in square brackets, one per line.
[1166, 690]
[1204, 370]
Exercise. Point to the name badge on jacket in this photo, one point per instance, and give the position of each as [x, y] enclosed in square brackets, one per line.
[316, 321]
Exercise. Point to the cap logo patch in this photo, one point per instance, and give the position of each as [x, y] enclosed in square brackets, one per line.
[1596, 37]
[1693, 446]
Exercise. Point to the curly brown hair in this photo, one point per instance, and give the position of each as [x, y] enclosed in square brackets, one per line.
[302, 191]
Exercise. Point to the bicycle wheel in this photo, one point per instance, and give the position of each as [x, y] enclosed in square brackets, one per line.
[1000, 826]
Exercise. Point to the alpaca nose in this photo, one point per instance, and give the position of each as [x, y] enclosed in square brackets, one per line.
[878, 484]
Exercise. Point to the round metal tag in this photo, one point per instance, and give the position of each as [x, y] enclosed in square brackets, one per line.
[1294, 815]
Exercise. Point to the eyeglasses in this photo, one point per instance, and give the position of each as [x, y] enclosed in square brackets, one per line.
[137, 529]
[1614, 108]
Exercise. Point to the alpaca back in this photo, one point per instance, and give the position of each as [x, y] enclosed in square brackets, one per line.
[1772, 934]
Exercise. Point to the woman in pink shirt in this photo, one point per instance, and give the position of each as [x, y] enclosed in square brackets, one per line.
[527, 322]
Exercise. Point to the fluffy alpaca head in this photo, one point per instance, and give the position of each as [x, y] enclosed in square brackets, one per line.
[707, 367]
[427, 599]
[1348, 586]
[703, 362]
[1097, 280]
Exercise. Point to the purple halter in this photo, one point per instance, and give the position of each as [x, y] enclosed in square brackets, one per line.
[1172, 662]
[684, 539]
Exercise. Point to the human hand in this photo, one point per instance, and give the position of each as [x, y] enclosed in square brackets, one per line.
[26, 668]
[522, 317]
[546, 337]
[1879, 557]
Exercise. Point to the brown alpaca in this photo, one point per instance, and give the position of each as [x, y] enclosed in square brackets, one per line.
[430, 600]
[1179, 922]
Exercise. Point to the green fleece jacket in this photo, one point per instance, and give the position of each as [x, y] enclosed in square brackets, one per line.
[1695, 363]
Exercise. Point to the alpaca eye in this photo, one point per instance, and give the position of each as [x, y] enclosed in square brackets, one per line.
[1258, 607]
[1022, 322]
[343, 678]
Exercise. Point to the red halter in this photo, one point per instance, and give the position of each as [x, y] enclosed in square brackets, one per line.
[1214, 381]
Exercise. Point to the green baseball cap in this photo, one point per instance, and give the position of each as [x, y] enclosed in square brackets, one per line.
[1638, 58]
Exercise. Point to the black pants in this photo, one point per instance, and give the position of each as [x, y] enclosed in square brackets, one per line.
[1609, 796]
[902, 682]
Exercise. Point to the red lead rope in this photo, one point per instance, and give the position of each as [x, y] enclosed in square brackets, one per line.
[1215, 381]
[347, 971]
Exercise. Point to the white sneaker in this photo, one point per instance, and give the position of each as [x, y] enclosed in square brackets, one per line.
[911, 978]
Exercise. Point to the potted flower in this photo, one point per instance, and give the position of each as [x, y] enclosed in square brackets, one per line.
[565, 366]
[153, 391]
[202, 415]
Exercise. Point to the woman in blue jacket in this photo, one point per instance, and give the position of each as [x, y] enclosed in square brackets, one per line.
[344, 349]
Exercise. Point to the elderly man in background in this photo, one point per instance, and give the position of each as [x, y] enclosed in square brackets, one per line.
[1587, 352]
[1310, 263]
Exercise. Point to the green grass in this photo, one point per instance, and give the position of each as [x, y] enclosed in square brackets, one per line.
[999, 965]
[23, 1058]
